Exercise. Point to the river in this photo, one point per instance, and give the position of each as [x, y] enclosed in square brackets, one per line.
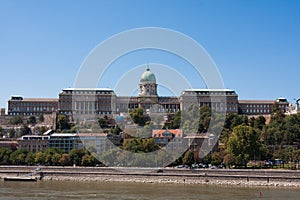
[115, 190]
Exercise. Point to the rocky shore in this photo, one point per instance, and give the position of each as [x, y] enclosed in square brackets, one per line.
[171, 176]
[171, 180]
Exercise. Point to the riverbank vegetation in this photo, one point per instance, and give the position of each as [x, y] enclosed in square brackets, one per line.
[244, 142]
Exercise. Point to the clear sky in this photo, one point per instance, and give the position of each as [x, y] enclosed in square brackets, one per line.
[255, 44]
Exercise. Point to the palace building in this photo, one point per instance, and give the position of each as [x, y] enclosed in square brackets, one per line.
[262, 107]
[87, 101]
[148, 97]
[90, 102]
[18, 105]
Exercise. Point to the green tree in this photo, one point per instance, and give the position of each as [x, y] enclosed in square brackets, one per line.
[1, 132]
[41, 118]
[251, 121]
[188, 158]
[138, 117]
[291, 130]
[244, 144]
[205, 117]
[39, 158]
[76, 155]
[5, 156]
[217, 158]
[116, 131]
[62, 122]
[40, 129]
[12, 133]
[48, 155]
[18, 157]
[137, 145]
[56, 158]
[102, 123]
[175, 121]
[25, 130]
[32, 120]
[29, 160]
[259, 122]
[16, 120]
[88, 160]
[73, 128]
[277, 115]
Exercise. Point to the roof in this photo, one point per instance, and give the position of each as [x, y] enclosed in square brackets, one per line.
[148, 76]
[8, 142]
[37, 100]
[92, 134]
[35, 136]
[176, 132]
[197, 136]
[48, 132]
[208, 90]
[256, 101]
[63, 135]
[88, 89]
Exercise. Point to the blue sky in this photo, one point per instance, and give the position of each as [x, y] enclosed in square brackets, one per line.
[255, 44]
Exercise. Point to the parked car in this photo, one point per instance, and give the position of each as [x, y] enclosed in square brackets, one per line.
[159, 171]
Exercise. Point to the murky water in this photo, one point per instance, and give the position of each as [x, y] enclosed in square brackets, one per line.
[102, 190]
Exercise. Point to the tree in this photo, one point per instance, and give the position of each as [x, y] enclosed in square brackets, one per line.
[32, 120]
[62, 122]
[277, 115]
[251, 121]
[232, 120]
[102, 123]
[137, 145]
[49, 153]
[65, 159]
[205, 117]
[137, 115]
[39, 158]
[12, 133]
[55, 159]
[244, 144]
[29, 160]
[5, 156]
[1, 132]
[259, 122]
[73, 129]
[228, 160]
[188, 158]
[217, 158]
[88, 160]
[16, 120]
[291, 129]
[76, 155]
[116, 131]
[25, 130]
[175, 121]
[18, 157]
[41, 118]
[40, 129]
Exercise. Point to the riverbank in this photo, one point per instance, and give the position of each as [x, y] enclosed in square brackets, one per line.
[275, 178]
[172, 180]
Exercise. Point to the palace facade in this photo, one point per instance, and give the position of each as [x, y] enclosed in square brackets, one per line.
[90, 102]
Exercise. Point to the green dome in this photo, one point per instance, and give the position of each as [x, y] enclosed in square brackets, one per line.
[148, 76]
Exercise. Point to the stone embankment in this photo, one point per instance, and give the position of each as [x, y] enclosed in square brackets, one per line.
[256, 177]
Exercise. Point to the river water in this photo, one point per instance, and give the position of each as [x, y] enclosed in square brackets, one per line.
[114, 190]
